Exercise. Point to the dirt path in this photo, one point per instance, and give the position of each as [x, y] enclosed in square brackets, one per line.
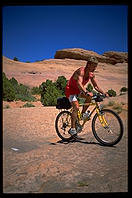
[36, 161]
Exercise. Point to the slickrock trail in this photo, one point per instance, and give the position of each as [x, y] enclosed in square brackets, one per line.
[35, 160]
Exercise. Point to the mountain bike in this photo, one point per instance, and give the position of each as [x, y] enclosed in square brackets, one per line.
[107, 126]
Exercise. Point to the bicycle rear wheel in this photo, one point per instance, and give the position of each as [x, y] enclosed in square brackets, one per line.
[110, 131]
[63, 124]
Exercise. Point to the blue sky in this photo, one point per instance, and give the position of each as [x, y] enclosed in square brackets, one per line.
[33, 33]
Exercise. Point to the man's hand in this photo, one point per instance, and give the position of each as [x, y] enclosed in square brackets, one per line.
[106, 94]
[88, 94]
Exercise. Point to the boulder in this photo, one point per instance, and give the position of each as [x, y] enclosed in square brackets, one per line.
[75, 53]
[82, 54]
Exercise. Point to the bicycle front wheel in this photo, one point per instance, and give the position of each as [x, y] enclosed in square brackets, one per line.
[108, 127]
[63, 124]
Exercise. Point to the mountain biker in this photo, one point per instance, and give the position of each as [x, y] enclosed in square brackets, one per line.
[75, 88]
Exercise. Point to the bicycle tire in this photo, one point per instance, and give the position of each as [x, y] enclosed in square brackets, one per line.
[115, 125]
[64, 135]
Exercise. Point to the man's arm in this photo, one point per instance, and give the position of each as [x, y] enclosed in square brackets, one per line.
[78, 76]
[96, 87]
[80, 85]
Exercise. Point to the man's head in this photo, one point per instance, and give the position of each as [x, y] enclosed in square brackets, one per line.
[92, 63]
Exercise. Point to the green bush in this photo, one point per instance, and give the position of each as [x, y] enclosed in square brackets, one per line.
[61, 84]
[7, 106]
[111, 103]
[13, 81]
[112, 92]
[35, 91]
[24, 98]
[44, 86]
[28, 105]
[15, 59]
[89, 87]
[118, 108]
[50, 91]
[49, 98]
[14, 91]
[8, 89]
[23, 93]
[123, 89]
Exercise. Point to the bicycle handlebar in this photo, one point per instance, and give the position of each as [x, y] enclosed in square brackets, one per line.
[99, 97]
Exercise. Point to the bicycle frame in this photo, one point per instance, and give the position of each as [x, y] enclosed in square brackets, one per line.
[97, 108]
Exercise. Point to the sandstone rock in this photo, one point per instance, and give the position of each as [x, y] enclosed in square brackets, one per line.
[119, 56]
[82, 54]
[75, 53]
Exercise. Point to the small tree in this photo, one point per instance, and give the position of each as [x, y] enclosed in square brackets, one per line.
[44, 86]
[123, 89]
[50, 96]
[35, 90]
[50, 91]
[112, 92]
[13, 81]
[61, 84]
[8, 89]
[15, 59]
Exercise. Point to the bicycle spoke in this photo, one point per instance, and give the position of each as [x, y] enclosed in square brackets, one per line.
[108, 129]
[63, 124]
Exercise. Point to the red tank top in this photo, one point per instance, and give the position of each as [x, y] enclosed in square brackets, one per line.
[72, 87]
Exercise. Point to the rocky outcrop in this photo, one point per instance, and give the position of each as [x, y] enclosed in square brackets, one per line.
[118, 56]
[81, 54]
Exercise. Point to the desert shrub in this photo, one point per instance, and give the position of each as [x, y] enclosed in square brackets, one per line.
[8, 89]
[50, 91]
[23, 93]
[12, 90]
[35, 91]
[15, 59]
[123, 89]
[89, 87]
[28, 105]
[13, 81]
[49, 98]
[118, 108]
[111, 103]
[44, 86]
[82, 183]
[7, 106]
[112, 92]
[61, 84]
[25, 98]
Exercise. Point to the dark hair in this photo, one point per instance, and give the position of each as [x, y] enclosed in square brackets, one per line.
[92, 59]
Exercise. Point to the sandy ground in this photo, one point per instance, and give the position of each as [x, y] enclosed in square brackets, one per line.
[35, 160]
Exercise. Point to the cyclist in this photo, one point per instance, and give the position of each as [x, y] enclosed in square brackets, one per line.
[75, 88]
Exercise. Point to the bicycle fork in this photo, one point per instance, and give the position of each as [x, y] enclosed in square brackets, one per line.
[102, 118]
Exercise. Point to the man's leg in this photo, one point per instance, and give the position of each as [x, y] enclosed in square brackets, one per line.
[88, 100]
[75, 106]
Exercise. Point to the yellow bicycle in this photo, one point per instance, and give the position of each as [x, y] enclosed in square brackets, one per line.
[107, 126]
